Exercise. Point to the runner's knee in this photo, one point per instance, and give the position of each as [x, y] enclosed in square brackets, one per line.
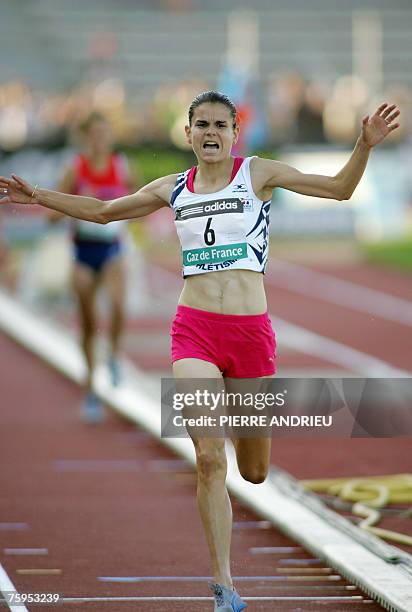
[211, 464]
[255, 474]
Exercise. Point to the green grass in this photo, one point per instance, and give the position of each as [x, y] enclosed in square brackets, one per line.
[395, 254]
[151, 164]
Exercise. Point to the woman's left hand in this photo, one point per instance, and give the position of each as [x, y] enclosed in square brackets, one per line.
[379, 125]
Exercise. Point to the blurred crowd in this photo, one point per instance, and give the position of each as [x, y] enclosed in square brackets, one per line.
[289, 110]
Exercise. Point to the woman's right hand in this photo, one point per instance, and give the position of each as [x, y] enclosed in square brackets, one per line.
[16, 191]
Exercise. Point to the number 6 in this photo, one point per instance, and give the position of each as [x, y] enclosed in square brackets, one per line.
[209, 235]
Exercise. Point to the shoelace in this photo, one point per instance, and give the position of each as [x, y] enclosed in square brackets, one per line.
[217, 590]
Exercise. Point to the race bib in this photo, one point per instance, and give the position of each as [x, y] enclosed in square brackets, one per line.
[212, 232]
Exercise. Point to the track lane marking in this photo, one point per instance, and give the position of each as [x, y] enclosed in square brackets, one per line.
[332, 578]
[324, 287]
[38, 572]
[6, 585]
[251, 525]
[311, 343]
[26, 551]
[268, 550]
[13, 526]
[337, 598]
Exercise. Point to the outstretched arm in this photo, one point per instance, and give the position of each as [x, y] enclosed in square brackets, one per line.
[269, 174]
[145, 201]
[65, 185]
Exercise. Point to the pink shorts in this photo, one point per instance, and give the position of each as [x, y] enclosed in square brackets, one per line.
[241, 346]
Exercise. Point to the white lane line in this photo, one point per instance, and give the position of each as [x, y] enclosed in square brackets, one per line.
[303, 571]
[269, 550]
[13, 526]
[324, 287]
[6, 586]
[38, 571]
[349, 598]
[252, 525]
[26, 551]
[299, 562]
[17, 321]
[98, 465]
[121, 465]
[169, 465]
[334, 588]
[282, 578]
[305, 341]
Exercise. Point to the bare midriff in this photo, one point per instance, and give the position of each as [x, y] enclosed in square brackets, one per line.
[239, 292]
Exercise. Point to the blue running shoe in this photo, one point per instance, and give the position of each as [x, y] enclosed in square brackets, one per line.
[114, 368]
[92, 410]
[226, 599]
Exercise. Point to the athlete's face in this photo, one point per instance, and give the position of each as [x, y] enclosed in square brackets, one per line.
[212, 134]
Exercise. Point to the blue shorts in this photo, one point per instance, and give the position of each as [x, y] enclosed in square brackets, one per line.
[96, 254]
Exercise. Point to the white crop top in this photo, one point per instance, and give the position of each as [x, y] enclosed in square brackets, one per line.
[225, 230]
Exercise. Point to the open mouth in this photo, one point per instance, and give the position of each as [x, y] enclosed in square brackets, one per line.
[209, 145]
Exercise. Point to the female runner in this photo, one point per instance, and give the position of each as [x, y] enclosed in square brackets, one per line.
[98, 250]
[221, 327]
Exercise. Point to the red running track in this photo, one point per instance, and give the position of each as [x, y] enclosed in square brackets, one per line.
[110, 501]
